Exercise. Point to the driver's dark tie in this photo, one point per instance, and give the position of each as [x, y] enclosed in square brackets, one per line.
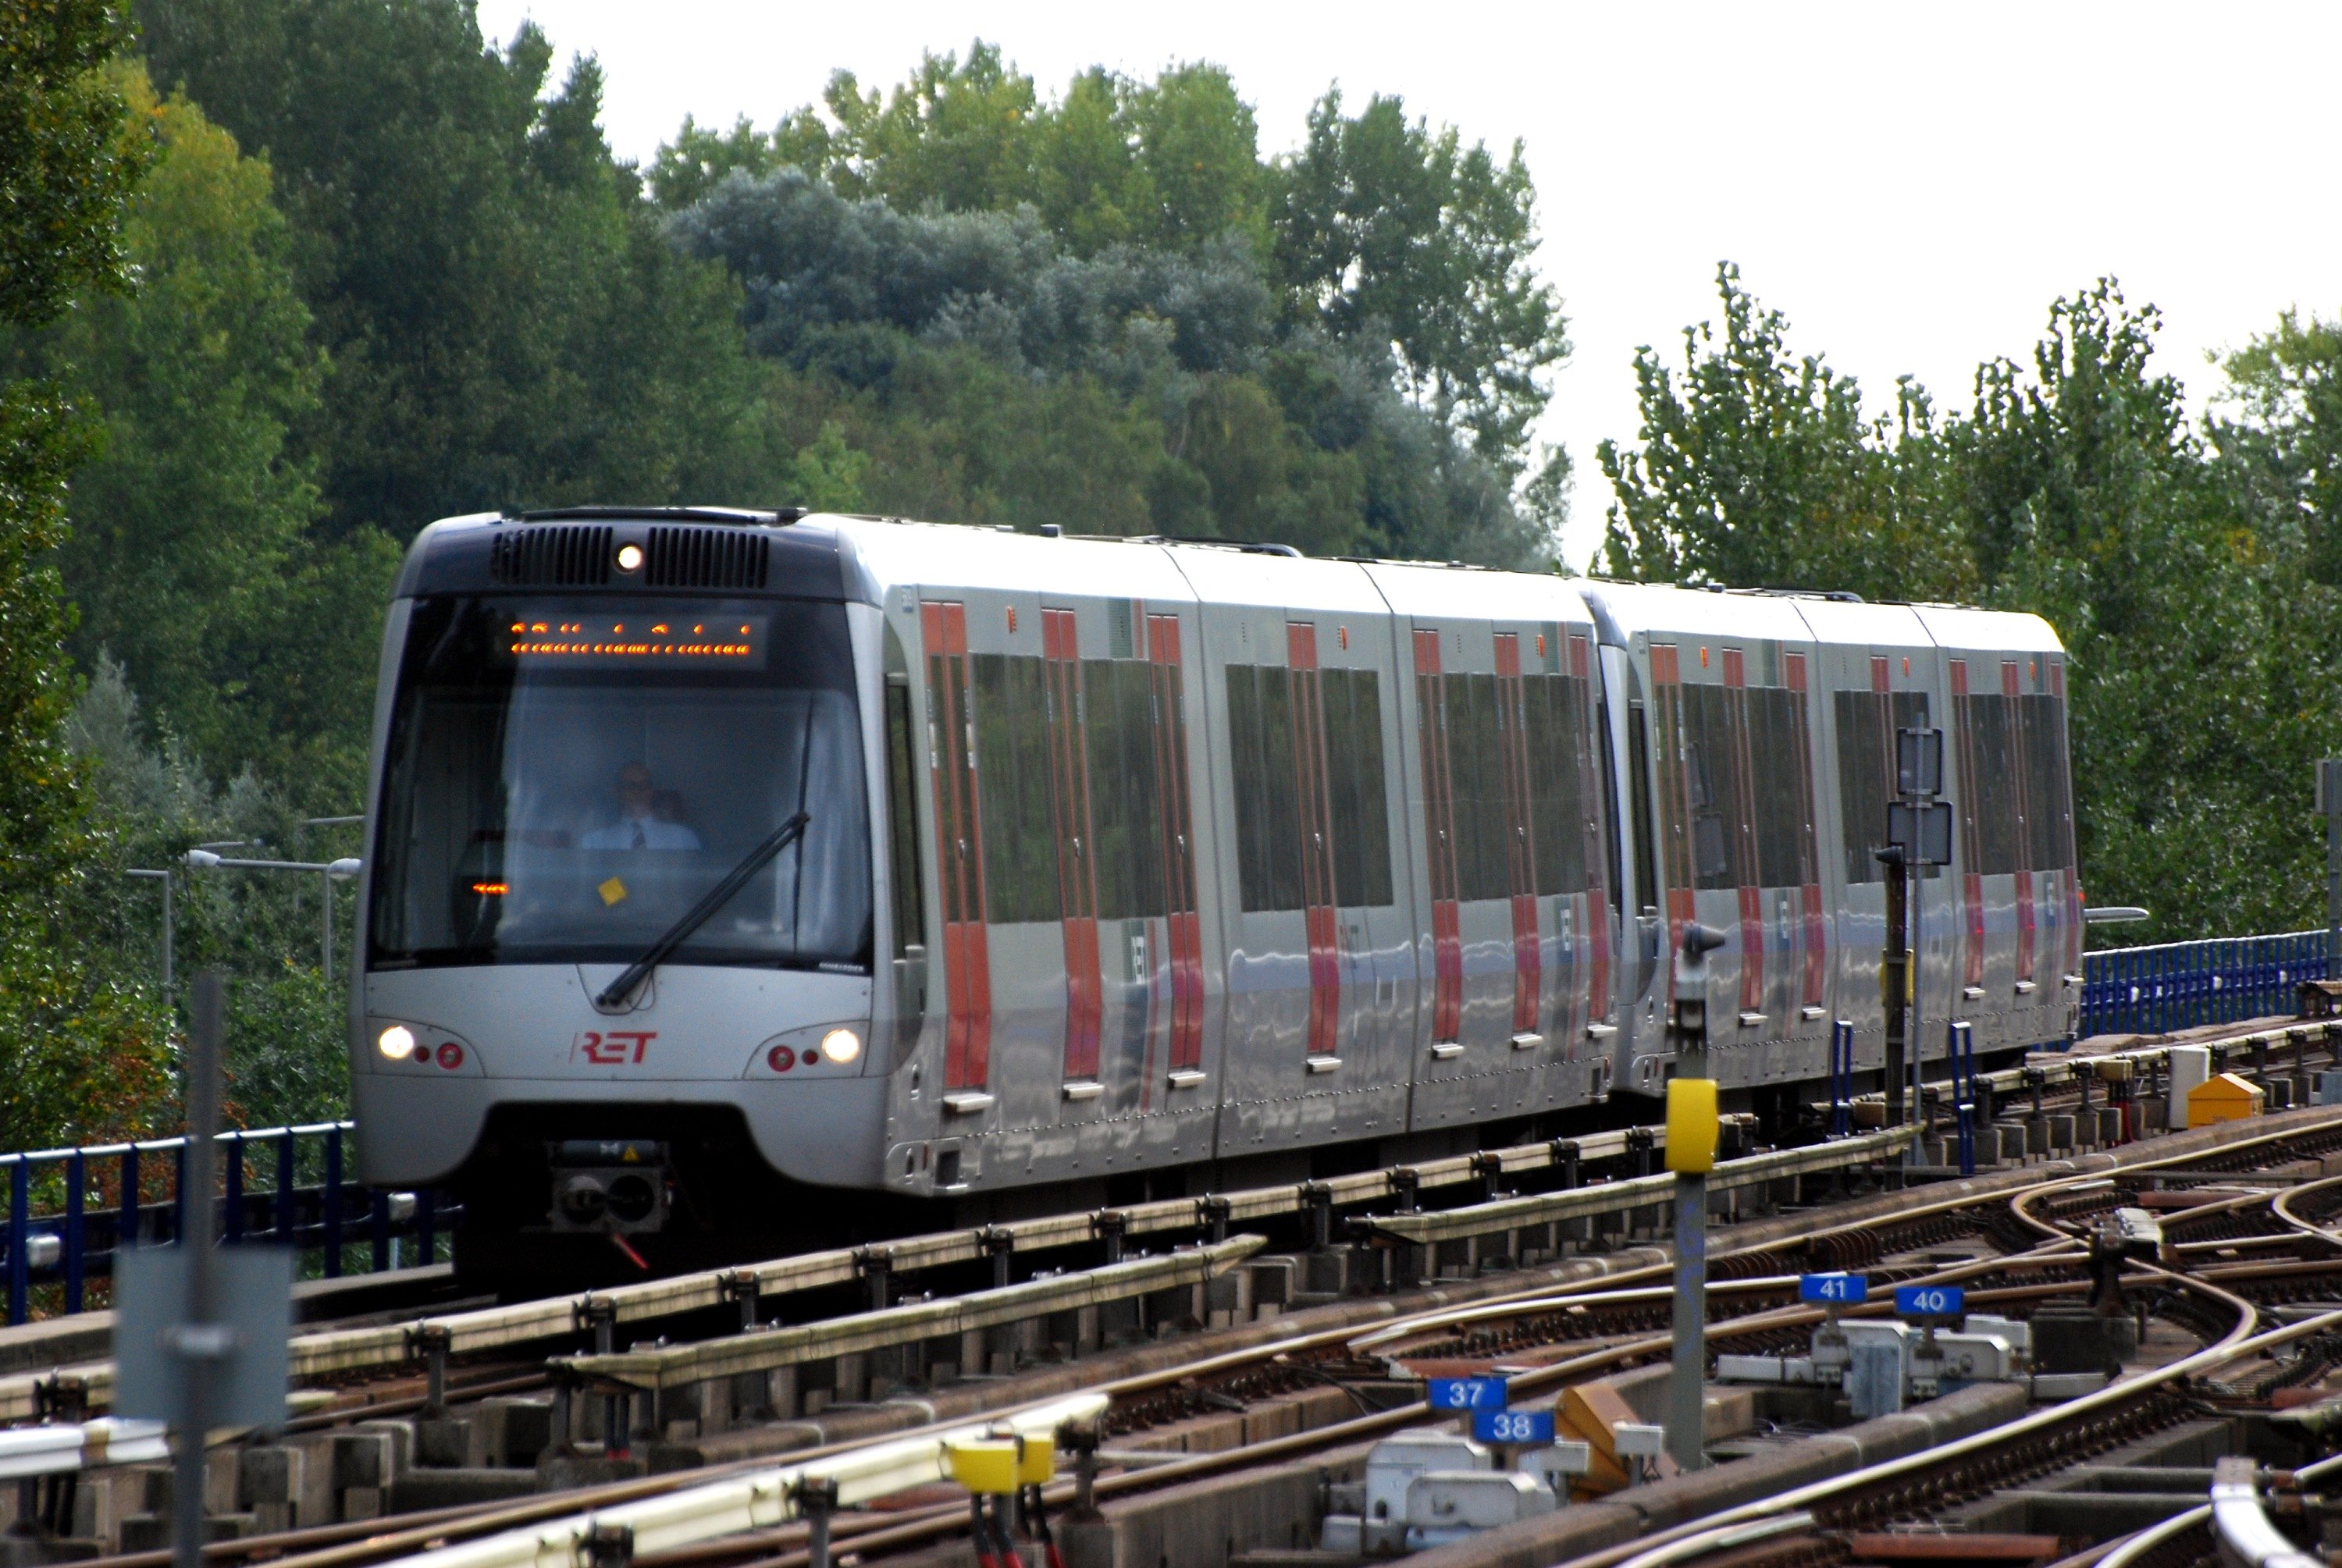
[640, 841]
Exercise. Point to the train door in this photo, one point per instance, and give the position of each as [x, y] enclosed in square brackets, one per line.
[1736, 751]
[2005, 753]
[1320, 981]
[1489, 974]
[1562, 996]
[1134, 1067]
[1005, 905]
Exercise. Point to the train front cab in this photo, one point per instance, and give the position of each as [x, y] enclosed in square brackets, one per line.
[571, 749]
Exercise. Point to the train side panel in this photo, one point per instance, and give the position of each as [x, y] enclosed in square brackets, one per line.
[1516, 927]
[1299, 681]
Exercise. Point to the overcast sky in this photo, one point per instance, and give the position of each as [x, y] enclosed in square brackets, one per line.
[1913, 185]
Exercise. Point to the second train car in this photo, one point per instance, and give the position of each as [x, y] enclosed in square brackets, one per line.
[745, 877]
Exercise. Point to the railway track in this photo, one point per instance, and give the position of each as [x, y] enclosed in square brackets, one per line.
[1314, 1384]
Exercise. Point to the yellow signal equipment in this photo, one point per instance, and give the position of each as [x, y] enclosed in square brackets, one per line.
[1692, 1125]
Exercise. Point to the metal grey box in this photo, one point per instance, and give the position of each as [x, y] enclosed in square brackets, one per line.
[251, 1294]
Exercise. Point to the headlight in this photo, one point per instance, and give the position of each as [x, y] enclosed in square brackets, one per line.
[841, 1045]
[630, 557]
[396, 1042]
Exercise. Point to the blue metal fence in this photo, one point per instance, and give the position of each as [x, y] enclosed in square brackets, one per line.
[2185, 984]
[70, 1211]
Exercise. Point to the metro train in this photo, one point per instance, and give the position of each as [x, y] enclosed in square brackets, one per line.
[740, 878]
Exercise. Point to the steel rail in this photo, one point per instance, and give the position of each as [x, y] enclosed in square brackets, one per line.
[2071, 1069]
[2020, 1202]
[2247, 1537]
[767, 1350]
[2238, 1341]
[1641, 1191]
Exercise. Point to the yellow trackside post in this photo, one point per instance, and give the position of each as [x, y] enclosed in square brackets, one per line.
[1693, 1128]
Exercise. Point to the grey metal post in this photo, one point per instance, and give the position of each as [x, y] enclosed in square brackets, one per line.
[328, 963]
[1687, 1420]
[197, 1329]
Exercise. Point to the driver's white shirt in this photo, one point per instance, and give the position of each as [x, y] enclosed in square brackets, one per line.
[640, 833]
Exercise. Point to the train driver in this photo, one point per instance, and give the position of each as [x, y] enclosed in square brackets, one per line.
[641, 823]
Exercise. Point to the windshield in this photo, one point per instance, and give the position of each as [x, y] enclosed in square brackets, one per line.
[566, 778]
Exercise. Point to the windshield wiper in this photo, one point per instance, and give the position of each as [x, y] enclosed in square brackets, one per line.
[618, 990]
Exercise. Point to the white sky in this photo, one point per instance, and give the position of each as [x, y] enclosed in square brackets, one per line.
[1912, 185]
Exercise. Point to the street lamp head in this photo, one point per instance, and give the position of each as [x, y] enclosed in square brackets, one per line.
[202, 860]
[345, 868]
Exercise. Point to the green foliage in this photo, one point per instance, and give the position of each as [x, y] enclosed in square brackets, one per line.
[190, 557]
[65, 169]
[505, 326]
[1760, 469]
[1386, 229]
[2280, 433]
[994, 375]
[76, 1051]
[1053, 235]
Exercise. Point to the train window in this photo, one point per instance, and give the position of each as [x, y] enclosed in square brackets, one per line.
[1012, 767]
[1713, 784]
[1866, 722]
[1476, 762]
[2050, 822]
[1260, 754]
[1354, 760]
[1126, 794]
[1781, 773]
[544, 806]
[902, 819]
[1557, 758]
[1991, 783]
[1262, 763]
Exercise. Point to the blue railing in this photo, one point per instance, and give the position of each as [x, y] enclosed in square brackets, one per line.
[2185, 984]
[71, 1210]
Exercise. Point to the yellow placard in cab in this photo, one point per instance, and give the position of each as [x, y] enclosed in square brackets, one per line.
[1693, 1126]
[985, 1465]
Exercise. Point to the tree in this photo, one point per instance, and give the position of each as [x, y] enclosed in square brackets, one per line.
[2087, 500]
[1386, 229]
[504, 327]
[189, 525]
[2279, 432]
[76, 1054]
[955, 137]
[1760, 469]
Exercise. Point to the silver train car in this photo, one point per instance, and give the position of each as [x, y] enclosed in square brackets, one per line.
[984, 872]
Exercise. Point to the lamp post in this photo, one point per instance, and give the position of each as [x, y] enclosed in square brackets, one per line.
[332, 870]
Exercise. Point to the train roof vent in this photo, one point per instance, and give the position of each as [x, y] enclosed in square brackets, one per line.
[707, 558]
[552, 555]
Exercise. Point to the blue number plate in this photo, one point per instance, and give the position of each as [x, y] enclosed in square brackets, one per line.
[1833, 1289]
[1475, 1394]
[1525, 1428]
[1930, 1301]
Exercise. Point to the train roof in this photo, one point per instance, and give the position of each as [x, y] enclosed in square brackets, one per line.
[857, 557]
